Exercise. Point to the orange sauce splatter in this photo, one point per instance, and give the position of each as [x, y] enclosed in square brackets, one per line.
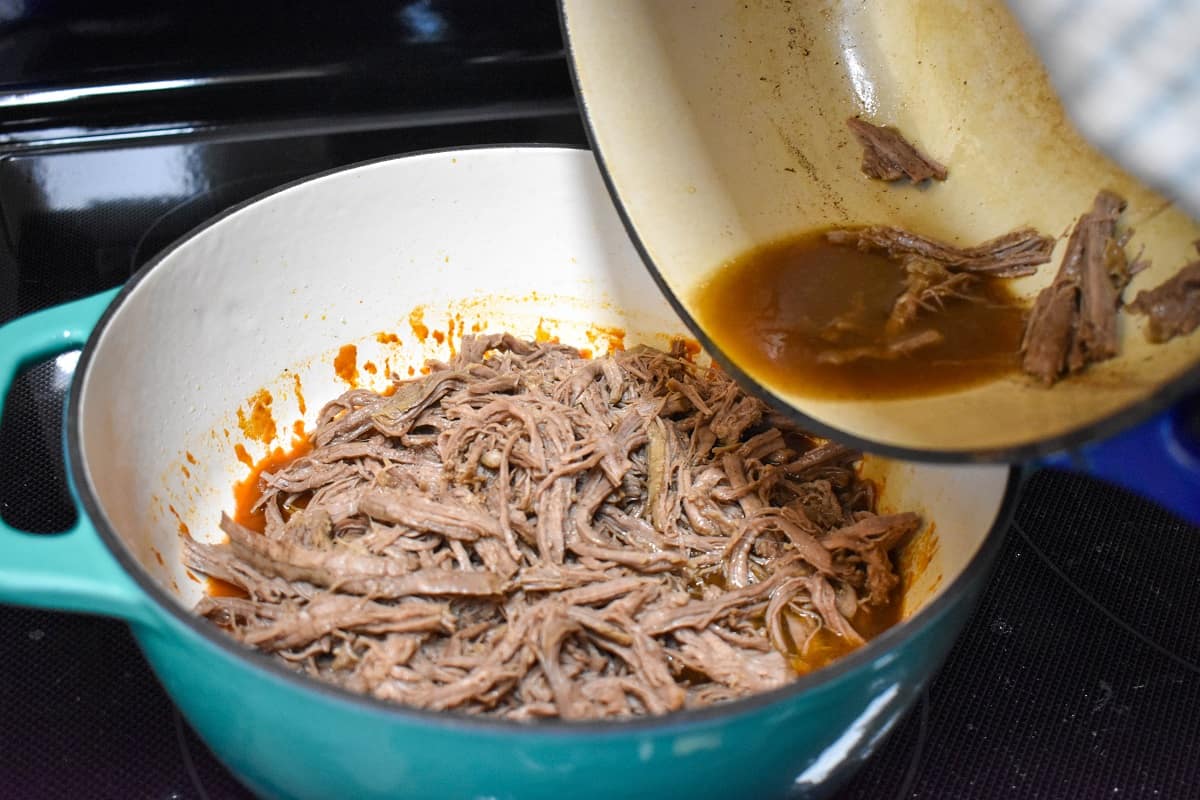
[247, 491]
[585, 352]
[258, 424]
[191, 458]
[298, 434]
[424, 369]
[345, 364]
[439, 337]
[541, 335]
[158, 557]
[242, 455]
[416, 320]
[183, 528]
[476, 327]
[826, 646]
[916, 555]
[383, 337]
[691, 348]
[369, 366]
[215, 587]
[299, 394]
[605, 338]
[226, 432]
[451, 336]
[185, 471]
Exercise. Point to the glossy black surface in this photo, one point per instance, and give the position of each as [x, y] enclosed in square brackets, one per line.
[1079, 675]
[75, 71]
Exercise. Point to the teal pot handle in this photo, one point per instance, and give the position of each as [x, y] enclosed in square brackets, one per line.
[72, 571]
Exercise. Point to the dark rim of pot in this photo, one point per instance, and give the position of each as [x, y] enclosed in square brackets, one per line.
[1161, 399]
[972, 574]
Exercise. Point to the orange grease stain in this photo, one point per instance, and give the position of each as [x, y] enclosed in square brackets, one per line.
[585, 352]
[369, 366]
[183, 528]
[916, 555]
[247, 491]
[691, 348]
[215, 587]
[452, 323]
[258, 424]
[191, 458]
[299, 394]
[541, 335]
[242, 456]
[411, 371]
[158, 557]
[345, 364]
[416, 320]
[185, 471]
[605, 338]
[384, 337]
[439, 337]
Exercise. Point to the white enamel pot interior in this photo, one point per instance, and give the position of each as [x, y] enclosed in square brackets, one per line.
[261, 301]
[721, 126]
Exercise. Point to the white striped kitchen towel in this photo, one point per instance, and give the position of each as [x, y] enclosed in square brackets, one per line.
[1128, 72]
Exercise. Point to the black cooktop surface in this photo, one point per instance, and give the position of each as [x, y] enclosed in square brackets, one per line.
[1077, 676]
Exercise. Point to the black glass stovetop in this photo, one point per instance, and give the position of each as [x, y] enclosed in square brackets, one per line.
[1077, 676]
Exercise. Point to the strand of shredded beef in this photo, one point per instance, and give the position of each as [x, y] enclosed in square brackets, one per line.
[1074, 320]
[1173, 307]
[528, 533]
[888, 156]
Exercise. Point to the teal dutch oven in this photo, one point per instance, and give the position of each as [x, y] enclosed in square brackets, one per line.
[241, 322]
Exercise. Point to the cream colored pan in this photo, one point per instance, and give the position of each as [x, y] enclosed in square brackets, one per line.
[720, 125]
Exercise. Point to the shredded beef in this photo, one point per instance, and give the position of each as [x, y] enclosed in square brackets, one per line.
[1173, 307]
[1074, 320]
[928, 286]
[888, 156]
[1012, 255]
[528, 533]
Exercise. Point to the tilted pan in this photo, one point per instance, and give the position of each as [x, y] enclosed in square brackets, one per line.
[720, 126]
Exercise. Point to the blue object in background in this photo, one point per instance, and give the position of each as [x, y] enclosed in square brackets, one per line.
[1159, 459]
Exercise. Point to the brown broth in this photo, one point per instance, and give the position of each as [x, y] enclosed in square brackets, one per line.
[248, 490]
[825, 647]
[766, 310]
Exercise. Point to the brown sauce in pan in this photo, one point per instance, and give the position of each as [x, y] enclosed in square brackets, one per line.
[247, 492]
[770, 310]
[826, 646]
